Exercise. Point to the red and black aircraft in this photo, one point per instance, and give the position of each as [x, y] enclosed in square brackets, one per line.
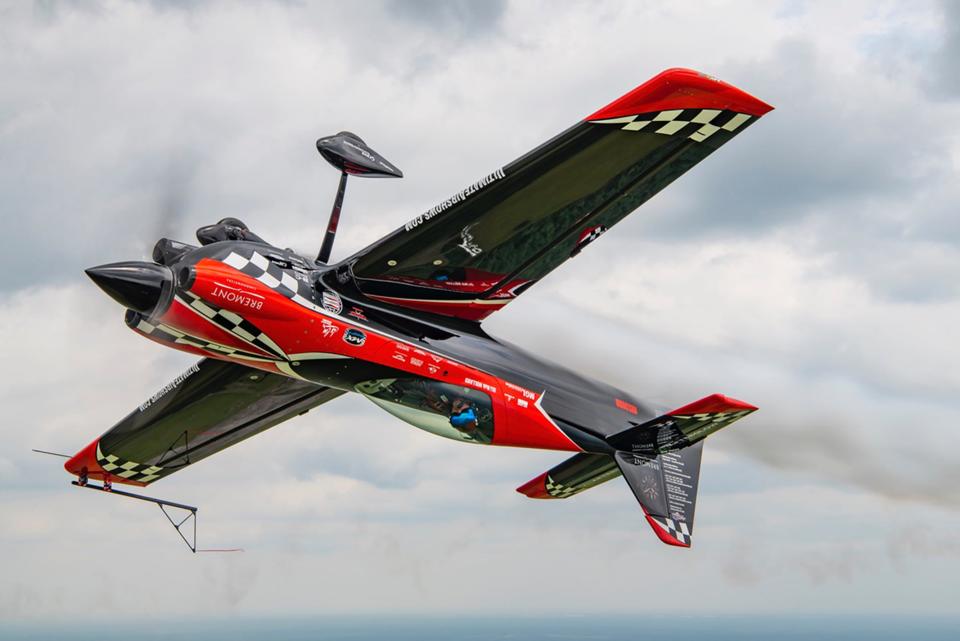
[399, 322]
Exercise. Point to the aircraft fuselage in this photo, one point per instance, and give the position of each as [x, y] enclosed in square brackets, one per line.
[271, 309]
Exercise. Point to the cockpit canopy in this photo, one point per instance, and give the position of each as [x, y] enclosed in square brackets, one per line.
[453, 411]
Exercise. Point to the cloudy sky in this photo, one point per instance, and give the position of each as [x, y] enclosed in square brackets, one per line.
[811, 267]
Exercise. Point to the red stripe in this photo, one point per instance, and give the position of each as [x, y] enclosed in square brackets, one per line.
[625, 406]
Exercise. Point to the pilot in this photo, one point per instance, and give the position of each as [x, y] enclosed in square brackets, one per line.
[463, 415]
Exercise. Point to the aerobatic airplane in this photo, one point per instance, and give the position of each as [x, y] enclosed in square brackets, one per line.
[399, 322]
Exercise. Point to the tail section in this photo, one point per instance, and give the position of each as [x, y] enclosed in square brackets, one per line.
[660, 461]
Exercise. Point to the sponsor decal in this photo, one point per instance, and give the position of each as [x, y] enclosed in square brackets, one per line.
[523, 391]
[480, 385]
[169, 387]
[416, 362]
[279, 261]
[331, 302]
[400, 357]
[453, 200]
[357, 313]
[625, 406]
[238, 286]
[354, 337]
[238, 298]
[433, 369]
[363, 152]
[467, 243]
[329, 328]
[649, 487]
[512, 398]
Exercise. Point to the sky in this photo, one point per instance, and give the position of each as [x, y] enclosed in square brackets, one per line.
[810, 267]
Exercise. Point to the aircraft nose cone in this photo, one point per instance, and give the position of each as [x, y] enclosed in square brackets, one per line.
[134, 284]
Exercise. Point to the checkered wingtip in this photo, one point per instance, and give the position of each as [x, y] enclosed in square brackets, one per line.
[130, 470]
[558, 490]
[695, 124]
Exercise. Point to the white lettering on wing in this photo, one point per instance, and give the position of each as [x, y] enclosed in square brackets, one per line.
[459, 197]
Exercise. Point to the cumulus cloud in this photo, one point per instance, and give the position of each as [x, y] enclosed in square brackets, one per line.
[944, 82]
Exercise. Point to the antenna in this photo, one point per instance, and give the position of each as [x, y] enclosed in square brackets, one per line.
[51, 453]
[348, 153]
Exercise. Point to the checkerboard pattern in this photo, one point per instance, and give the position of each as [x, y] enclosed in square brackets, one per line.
[695, 124]
[587, 237]
[697, 426]
[127, 469]
[172, 335]
[233, 323]
[676, 529]
[258, 266]
[559, 490]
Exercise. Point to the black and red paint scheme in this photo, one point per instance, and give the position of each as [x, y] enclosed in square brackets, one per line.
[399, 321]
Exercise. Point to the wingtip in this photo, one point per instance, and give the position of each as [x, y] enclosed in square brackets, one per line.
[85, 462]
[680, 88]
[536, 488]
[714, 403]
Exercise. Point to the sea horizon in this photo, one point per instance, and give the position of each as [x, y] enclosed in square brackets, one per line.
[595, 627]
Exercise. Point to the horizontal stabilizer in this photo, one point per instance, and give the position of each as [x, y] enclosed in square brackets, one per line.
[578, 473]
[681, 427]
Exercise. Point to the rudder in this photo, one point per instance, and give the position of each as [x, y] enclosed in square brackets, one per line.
[666, 488]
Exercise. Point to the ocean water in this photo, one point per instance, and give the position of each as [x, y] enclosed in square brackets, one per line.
[473, 628]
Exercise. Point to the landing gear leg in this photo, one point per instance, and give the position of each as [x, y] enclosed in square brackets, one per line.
[82, 480]
[107, 485]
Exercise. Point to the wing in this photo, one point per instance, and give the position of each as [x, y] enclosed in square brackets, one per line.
[478, 250]
[211, 406]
